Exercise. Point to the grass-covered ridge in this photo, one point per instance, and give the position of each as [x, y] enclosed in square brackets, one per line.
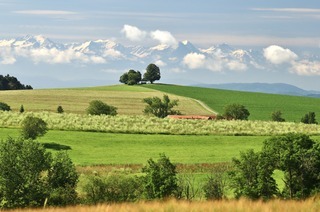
[260, 105]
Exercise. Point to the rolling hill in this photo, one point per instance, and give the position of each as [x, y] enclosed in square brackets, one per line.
[259, 105]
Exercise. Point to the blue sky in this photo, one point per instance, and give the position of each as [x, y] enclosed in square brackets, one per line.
[292, 23]
[286, 31]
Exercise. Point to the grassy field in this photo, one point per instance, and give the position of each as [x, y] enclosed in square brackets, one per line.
[92, 148]
[259, 105]
[128, 99]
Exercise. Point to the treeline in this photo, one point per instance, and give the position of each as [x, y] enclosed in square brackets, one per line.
[12, 83]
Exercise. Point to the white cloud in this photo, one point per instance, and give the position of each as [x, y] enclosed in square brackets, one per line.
[160, 63]
[306, 68]
[214, 63]
[112, 53]
[235, 65]
[278, 55]
[164, 37]
[6, 56]
[194, 60]
[133, 33]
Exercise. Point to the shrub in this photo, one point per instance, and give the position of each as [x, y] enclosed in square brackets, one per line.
[236, 111]
[63, 179]
[160, 180]
[97, 107]
[160, 108]
[21, 109]
[112, 188]
[60, 109]
[277, 116]
[32, 127]
[309, 118]
[4, 106]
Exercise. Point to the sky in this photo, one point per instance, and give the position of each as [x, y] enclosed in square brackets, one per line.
[292, 24]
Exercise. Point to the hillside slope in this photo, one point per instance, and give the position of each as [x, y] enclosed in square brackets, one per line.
[128, 99]
[260, 105]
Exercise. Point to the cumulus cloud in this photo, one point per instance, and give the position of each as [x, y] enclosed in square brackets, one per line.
[213, 63]
[279, 55]
[160, 63]
[164, 37]
[235, 65]
[6, 56]
[112, 53]
[194, 60]
[306, 68]
[133, 33]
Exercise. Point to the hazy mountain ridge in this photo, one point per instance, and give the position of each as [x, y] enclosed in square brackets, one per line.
[272, 88]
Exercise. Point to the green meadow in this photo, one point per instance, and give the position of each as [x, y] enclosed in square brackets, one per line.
[259, 105]
[94, 148]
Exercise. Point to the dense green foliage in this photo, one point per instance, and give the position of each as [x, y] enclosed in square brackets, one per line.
[160, 109]
[63, 179]
[296, 155]
[60, 109]
[4, 106]
[97, 107]
[236, 112]
[309, 118]
[23, 182]
[277, 116]
[113, 188]
[11, 83]
[33, 127]
[160, 180]
[131, 77]
[260, 105]
[152, 73]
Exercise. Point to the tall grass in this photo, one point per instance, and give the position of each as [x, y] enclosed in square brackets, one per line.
[152, 125]
[185, 206]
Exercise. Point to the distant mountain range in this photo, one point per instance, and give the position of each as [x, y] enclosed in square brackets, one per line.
[41, 62]
[272, 88]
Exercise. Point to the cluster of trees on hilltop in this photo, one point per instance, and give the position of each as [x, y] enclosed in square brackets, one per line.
[133, 77]
[12, 83]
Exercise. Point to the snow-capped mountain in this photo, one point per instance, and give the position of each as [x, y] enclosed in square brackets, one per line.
[34, 56]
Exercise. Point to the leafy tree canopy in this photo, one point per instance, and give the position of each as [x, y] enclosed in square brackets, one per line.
[131, 77]
[160, 179]
[4, 106]
[97, 107]
[236, 111]
[11, 83]
[309, 118]
[160, 108]
[33, 127]
[152, 73]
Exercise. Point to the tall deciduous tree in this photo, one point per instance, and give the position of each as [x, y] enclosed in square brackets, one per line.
[152, 73]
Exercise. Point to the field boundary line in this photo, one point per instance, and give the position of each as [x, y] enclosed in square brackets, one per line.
[204, 106]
